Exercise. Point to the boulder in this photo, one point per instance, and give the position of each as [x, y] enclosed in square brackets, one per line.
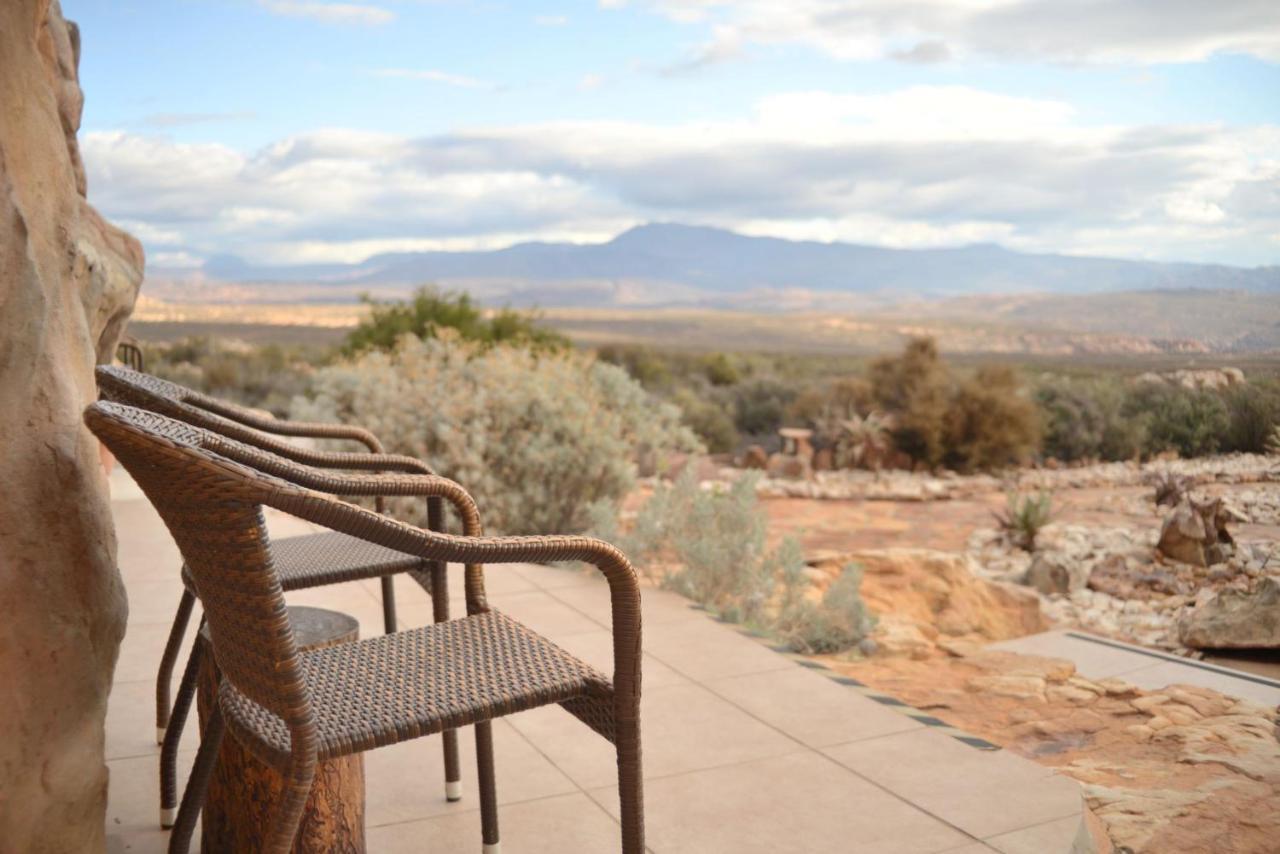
[1195, 532]
[1053, 573]
[755, 457]
[1235, 619]
[68, 281]
[789, 467]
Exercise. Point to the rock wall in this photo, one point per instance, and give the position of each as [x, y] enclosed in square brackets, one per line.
[68, 281]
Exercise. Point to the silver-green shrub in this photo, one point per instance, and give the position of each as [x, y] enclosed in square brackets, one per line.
[709, 545]
[537, 438]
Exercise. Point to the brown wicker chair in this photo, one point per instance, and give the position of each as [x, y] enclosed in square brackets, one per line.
[294, 709]
[304, 562]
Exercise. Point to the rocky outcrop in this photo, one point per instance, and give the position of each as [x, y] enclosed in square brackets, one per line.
[924, 598]
[1235, 619]
[68, 280]
[1181, 769]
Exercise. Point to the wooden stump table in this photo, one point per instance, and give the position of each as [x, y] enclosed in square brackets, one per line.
[243, 792]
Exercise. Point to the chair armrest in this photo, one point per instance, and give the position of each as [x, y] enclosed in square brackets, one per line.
[283, 427]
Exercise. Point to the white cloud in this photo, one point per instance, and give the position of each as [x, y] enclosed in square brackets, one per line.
[434, 76]
[551, 20]
[334, 13]
[1140, 31]
[923, 166]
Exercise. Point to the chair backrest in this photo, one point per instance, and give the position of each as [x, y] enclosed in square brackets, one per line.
[212, 506]
[135, 388]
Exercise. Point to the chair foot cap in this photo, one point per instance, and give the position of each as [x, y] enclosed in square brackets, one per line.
[160, 731]
[167, 816]
[453, 790]
[495, 848]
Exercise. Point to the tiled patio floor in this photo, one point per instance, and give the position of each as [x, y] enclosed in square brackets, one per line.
[744, 750]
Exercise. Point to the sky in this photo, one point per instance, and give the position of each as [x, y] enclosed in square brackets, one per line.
[309, 131]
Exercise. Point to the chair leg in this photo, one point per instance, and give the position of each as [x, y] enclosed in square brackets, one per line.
[389, 603]
[170, 657]
[173, 735]
[293, 800]
[488, 788]
[630, 786]
[440, 612]
[198, 784]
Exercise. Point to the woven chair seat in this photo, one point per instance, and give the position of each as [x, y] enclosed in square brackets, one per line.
[391, 688]
[330, 557]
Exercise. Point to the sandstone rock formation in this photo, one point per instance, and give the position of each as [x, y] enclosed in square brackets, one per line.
[1181, 769]
[68, 281]
[923, 598]
[1235, 619]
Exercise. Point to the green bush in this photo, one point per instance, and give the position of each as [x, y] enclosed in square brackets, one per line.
[914, 388]
[536, 437]
[709, 419]
[990, 423]
[1192, 422]
[760, 406]
[1086, 419]
[429, 311]
[1253, 411]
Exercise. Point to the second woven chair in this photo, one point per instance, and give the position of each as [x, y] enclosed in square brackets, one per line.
[303, 562]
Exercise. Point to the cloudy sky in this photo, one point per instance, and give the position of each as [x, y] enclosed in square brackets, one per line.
[292, 131]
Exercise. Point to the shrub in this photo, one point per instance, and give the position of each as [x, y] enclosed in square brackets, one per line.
[714, 539]
[1253, 411]
[990, 422]
[261, 377]
[914, 389]
[536, 437]
[1189, 421]
[1086, 419]
[709, 419]
[712, 546]
[429, 311]
[1024, 517]
[760, 406]
[835, 624]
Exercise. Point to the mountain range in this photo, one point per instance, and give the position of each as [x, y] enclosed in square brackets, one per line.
[680, 265]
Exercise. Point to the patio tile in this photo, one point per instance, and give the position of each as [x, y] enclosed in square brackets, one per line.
[143, 644]
[704, 650]
[131, 722]
[548, 577]
[596, 649]
[543, 613]
[973, 848]
[133, 796]
[959, 784]
[568, 824]
[656, 606]
[1060, 835]
[683, 728]
[405, 782]
[798, 803]
[810, 707]
[153, 600]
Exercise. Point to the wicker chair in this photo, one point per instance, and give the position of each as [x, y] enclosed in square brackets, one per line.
[303, 562]
[294, 709]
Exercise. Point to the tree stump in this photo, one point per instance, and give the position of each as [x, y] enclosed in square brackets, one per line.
[243, 792]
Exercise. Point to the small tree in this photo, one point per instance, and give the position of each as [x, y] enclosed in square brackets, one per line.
[914, 388]
[431, 310]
